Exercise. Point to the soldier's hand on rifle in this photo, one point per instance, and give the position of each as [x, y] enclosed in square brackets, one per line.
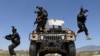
[86, 10]
[8, 37]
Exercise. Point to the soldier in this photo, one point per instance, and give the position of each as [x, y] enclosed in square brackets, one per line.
[81, 19]
[41, 18]
[15, 38]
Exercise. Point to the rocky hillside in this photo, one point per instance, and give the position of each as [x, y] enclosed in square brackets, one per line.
[88, 48]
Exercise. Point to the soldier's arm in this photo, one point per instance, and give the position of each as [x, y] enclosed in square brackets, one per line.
[44, 13]
[14, 35]
[79, 15]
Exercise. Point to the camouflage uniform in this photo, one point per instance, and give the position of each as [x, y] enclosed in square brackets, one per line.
[81, 19]
[41, 19]
[15, 39]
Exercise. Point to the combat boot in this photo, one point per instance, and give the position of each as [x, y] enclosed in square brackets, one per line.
[87, 37]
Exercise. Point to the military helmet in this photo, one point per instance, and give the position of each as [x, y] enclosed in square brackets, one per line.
[81, 9]
[39, 7]
[14, 29]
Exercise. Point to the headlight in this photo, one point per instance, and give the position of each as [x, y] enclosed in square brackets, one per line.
[41, 37]
[33, 37]
[71, 37]
[62, 37]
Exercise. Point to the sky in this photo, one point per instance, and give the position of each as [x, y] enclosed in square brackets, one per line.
[20, 13]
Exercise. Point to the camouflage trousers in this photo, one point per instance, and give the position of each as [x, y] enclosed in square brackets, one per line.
[82, 27]
[11, 49]
[41, 25]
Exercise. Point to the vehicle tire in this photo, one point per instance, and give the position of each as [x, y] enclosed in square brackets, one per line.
[41, 54]
[71, 49]
[64, 54]
[32, 49]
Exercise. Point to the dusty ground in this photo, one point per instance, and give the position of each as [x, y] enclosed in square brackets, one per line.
[25, 53]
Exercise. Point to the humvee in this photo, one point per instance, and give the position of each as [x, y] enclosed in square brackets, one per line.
[53, 40]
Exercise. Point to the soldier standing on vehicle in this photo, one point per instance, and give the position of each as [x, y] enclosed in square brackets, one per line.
[41, 19]
[15, 39]
[81, 19]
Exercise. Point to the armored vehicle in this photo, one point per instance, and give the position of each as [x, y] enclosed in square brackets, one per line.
[53, 40]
